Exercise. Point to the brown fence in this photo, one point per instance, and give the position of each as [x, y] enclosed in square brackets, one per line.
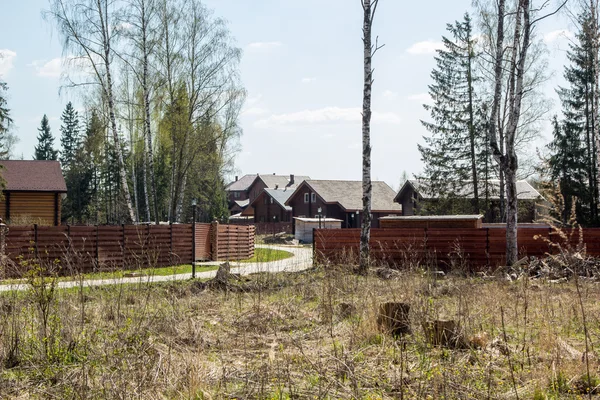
[476, 248]
[101, 248]
[234, 242]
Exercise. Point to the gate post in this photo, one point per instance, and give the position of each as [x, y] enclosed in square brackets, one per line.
[214, 240]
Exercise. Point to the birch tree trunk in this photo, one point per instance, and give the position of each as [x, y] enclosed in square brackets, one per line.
[367, 187]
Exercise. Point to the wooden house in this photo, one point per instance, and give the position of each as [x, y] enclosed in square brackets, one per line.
[242, 192]
[342, 200]
[418, 198]
[33, 192]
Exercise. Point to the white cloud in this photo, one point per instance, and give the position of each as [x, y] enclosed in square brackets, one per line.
[263, 45]
[324, 116]
[56, 66]
[308, 80]
[255, 111]
[553, 36]
[425, 47]
[420, 97]
[388, 94]
[6, 60]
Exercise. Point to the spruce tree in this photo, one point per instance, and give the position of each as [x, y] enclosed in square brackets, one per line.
[452, 154]
[5, 120]
[567, 164]
[69, 138]
[45, 148]
[580, 109]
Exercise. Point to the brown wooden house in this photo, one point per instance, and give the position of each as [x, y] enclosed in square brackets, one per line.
[242, 192]
[342, 200]
[33, 192]
[270, 206]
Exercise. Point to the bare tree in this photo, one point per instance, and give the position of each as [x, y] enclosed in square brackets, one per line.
[87, 28]
[369, 50]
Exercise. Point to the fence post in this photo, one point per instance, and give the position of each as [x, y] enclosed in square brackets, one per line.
[194, 248]
[3, 234]
[171, 243]
[35, 239]
[487, 247]
[123, 246]
[97, 250]
[214, 239]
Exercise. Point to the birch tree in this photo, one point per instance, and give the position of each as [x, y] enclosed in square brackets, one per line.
[525, 19]
[88, 30]
[369, 50]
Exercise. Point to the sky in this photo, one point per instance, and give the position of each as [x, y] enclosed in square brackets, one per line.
[302, 68]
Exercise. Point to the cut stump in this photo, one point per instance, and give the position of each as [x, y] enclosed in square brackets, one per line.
[393, 318]
[444, 333]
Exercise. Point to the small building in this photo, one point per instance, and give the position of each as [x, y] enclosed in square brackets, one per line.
[418, 198]
[303, 227]
[33, 192]
[242, 192]
[270, 206]
[342, 200]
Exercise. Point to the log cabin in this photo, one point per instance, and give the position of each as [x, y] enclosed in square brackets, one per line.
[32, 192]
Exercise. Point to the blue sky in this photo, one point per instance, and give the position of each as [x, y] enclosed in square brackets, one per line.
[302, 68]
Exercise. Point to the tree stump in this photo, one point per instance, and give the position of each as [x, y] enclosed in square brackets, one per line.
[346, 310]
[393, 318]
[223, 274]
[443, 333]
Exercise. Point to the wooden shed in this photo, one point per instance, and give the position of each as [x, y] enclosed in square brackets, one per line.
[304, 227]
[432, 221]
[33, 192]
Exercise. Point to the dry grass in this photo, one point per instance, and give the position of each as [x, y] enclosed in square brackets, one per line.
[288, 337]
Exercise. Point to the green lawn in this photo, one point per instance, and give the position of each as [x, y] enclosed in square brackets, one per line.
[262, 254]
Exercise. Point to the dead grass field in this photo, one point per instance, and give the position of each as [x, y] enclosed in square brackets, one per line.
[288, 336]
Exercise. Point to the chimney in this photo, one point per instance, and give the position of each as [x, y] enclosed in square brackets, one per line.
[273, 173]
[236, 178]
[276, 187]
[291, 179]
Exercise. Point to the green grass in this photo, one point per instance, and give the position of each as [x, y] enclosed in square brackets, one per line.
[262, 254]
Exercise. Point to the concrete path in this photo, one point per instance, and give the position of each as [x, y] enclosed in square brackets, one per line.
[301, 260]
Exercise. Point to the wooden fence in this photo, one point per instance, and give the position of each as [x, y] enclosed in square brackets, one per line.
[102, 248]
[477, 249]
[266, 228]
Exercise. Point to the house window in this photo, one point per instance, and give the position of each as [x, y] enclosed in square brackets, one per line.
[313, 197]
[271, 200]
[306, 198]
[236, 195]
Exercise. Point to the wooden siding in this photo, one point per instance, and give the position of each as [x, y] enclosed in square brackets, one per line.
[203, 242]
[234, 242]
[35, 207]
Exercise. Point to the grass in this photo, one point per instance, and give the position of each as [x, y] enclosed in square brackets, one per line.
[285, 337]
[263, 254]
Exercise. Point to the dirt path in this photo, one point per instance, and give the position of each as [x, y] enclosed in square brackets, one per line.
[301, 260]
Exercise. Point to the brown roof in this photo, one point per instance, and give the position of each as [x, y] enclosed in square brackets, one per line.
[33, 176]
[348, 194]
[270, 180]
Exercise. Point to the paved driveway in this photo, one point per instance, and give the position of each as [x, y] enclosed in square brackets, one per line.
[301, 260]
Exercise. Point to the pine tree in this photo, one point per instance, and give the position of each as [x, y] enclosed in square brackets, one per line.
[580, 110]
[69, 138]
[453, 153]
[45, 150]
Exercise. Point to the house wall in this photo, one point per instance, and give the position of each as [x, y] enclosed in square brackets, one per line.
[265, 212]
[407, 202]
[309, 210]
[32, 208]
[256, 189]
[241, 195]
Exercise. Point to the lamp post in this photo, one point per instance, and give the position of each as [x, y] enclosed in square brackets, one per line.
[356, 219]
[193, 238]
[319, 210]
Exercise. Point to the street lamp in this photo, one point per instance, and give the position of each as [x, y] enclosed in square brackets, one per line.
[319, 210]
[193, 238]
[356, 219]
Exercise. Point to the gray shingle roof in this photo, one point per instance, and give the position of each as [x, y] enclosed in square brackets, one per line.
[280, 196]
[270, 180]
[524, 190]
[349, 194]
[33, 175]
